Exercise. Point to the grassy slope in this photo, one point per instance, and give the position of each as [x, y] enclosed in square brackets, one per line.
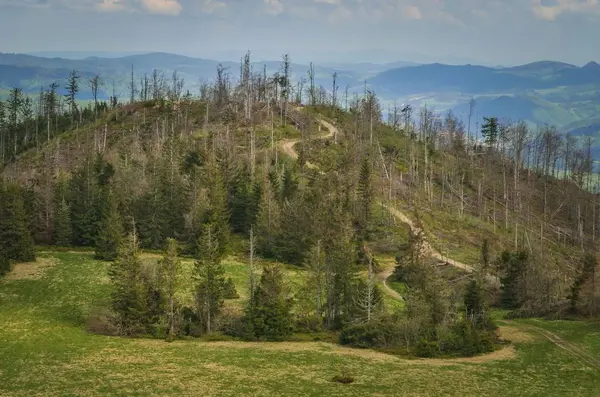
[45, 351]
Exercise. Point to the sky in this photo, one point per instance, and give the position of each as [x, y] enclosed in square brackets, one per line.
[490, 32]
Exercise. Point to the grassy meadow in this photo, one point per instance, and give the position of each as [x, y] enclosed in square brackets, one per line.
[45, 350]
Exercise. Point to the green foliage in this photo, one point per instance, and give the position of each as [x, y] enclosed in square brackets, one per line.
[513, 266]
[5, 265]
[464, 339]
[56, 306]
[230, 291]
[128, 298]
[269, 315]
[160, 211]
[490, 130]
[15, 237]
[381, 333]
[87, 198]
[365, 198]
[485, 255]
[63, 233]
[217, 215]
[473, 299]
[210, 277]
[584, 281]
[110, 232]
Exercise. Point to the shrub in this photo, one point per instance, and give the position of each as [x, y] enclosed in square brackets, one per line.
[383, 333]
[230, 291]
[5, 266]
[362, 335]
[102, 322]
[427, 348]
[464, 339]
[190, 323]
[311, 323]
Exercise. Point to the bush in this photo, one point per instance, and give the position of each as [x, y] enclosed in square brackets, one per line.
[102, 323]
[190, 324]
[230, 291]
[362, 335]
[426, 348]
[383, 333]
[464, 339]
[311, 323]
[5, 266]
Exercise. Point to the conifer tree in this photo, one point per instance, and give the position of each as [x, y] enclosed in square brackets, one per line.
[269, 315]
[513, 266]
[365, 197]
[5, 266]
[210, 276]
[474, 302]
[490, 131]
[63, 234]
[367, 297]
[170, 267]
[583, 291]
[15, 237]
[110, 233]
[85, 203]
[268, 222]
[127, 298]
[217, 215]
[72, 88]
[316, 267]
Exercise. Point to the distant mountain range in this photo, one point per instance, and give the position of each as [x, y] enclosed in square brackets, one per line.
[558, 93]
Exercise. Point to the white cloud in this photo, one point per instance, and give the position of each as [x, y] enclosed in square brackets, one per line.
[164, 7]
[413, 12]
[111, 5]
[212, 6]
[551, 12]
[274, 7]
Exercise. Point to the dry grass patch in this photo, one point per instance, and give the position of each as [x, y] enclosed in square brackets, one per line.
[30, 270]
[515, 335]
[506, 353]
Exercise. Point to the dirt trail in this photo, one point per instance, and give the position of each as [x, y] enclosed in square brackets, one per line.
[287, 146]
[428, 250]
[383, 277]
[575, 351]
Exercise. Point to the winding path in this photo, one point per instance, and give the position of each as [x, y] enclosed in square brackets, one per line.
[287, 146]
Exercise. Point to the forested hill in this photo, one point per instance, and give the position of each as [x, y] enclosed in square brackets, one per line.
[539, 93]
[246, 170]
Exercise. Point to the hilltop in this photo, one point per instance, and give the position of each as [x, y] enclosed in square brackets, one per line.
[544, 92]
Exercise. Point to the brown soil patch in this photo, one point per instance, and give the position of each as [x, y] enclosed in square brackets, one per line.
[30, 270]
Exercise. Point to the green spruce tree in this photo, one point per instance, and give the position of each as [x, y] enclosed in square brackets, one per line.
[63, 234]
[170, 267]
[110, 232]
[128, 296]
[15, 236]
[210, 278]
[270, 315]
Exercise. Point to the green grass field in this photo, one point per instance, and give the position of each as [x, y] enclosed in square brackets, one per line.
[45, 351]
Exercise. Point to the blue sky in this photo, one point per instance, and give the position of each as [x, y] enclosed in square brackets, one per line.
[486, 31]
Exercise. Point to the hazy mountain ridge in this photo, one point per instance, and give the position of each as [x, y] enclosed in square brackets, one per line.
[540, 92]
